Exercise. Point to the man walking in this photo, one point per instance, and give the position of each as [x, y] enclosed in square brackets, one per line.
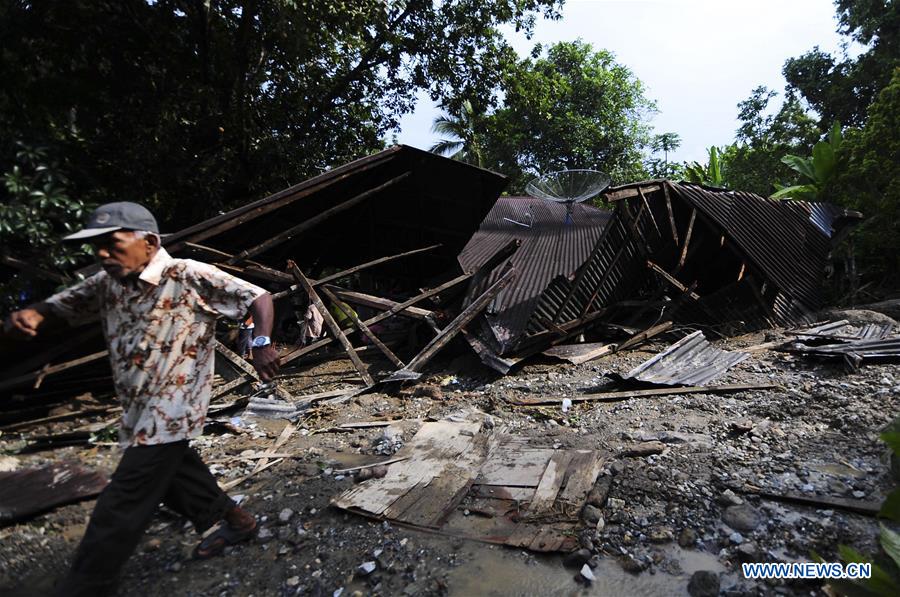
[158, 316]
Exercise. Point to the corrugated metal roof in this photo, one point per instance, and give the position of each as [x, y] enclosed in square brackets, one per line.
[691, 361]
[549, 248]
[778, 250]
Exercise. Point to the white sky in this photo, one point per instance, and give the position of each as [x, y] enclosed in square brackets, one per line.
[697, 58]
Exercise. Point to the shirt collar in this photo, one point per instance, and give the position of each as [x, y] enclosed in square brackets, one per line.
[153, 272]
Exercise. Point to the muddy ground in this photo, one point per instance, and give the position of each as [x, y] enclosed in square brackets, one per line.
[664, 519]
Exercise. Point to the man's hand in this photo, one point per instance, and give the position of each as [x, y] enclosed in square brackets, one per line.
[24, 323]
[265, 361]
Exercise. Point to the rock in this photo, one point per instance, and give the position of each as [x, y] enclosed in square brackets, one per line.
[883, 312]
[741, 426]
[629, 563]
[366, 568]
[748, 552]
[736, 538]
[600, 491]
[859, 494]
[703, 583]
[426, 391]
[729, 498]
[591, 514]
[742, 518]
[615, 503]
[293, 581]
[644, 449]
[577, 558]
[661, 535]
[587, 573]
[379, 471]
[617, 467]
[601, 524]
[363, 475]
[687, 537]
[264, 535]
[285, 515]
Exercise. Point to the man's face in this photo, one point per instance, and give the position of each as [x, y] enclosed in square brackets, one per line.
[122, 254]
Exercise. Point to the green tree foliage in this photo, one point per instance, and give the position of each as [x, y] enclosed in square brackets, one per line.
[568, 107]
[754, 162]
[710, 174]
[464, 143]
[35, 211]
[194, 106]
[817, 172]
[662, 168]
[870, 181]
[841, 88]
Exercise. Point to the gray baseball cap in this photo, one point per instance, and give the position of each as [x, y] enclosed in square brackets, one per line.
[109, 217]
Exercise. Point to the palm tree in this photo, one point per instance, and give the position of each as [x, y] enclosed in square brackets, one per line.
[665, 143]
[463, 145]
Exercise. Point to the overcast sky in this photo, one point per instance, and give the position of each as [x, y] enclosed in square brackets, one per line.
[697, 58]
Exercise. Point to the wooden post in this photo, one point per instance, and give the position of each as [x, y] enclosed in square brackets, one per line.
[394, 310]
[331, 323]
[665, 187]
[467, 315]
[362, 327]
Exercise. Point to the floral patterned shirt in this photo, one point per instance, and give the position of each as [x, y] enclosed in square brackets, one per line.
[160, 331]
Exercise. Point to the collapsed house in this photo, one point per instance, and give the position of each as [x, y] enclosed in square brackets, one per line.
[388, 225]
[423, 250]
[671, 251]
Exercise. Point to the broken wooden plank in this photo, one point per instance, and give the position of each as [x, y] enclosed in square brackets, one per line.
[467, 315]
[430, 451]
[331, 323]
[361, 326]
[88, 412]
[644, 336]
[377, 302]
[671, 280]
[355, 269]
[27, 492]
[665, 187]
[580, 353]
[263, 462]
[615, 396]
[343, 471]
[550, 483]
[687, 240]
[50, 370]
[584, 469]
[866, 508]
[515, 467]
[315, 220]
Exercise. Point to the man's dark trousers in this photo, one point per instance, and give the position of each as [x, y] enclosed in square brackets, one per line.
[172, 474]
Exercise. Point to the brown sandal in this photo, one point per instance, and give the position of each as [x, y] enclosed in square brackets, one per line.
[216, 542]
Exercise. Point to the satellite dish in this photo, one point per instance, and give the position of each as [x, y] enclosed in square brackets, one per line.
[569, 187]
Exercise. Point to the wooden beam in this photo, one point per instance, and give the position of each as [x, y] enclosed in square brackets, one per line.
[50, 370]
[399, 308]
[331, 323]
[355, 269]
[671, 280]
[361, 326]
[617, 195]
[687, 240]
[30, 268]
[650, 211]
[467, 315]
[665, 187]
[643, 336]
[376, 302]
[315, 220]
[616, 396]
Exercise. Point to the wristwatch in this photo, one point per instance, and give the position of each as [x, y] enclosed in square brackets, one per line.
[261, 341]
